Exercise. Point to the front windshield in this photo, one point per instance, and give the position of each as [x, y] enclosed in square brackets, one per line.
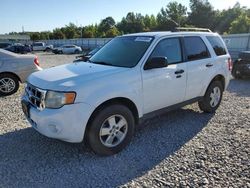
[122, 51]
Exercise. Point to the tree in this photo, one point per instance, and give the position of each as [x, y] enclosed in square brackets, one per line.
[132, 23]
[202, 14]
[70, 31]
[240, 25]
[106, 24]
[44, 35]
[90, 31]
[226, 17]
[112, 32]
[177, 12]
[35, 36]
[58, 34]
[172, 16]
[149, 23]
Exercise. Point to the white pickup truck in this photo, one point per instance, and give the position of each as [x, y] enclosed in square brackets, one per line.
[41, 46]
[130, 78]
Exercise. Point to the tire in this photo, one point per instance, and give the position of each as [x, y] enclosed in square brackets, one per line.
[235, 75]
[107, 142]
[206, 104]
[47, 50]
[77, 51]
[9, 84]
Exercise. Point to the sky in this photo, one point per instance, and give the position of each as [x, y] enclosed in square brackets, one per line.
[44, 15]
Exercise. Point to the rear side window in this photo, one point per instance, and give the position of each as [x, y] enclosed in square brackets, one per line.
[38, 44]
[169, 48]
[195, 48]
[217, 45]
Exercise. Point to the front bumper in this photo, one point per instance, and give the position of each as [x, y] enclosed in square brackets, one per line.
[67, 123]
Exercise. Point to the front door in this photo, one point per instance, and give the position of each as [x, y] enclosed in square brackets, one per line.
[163, 87]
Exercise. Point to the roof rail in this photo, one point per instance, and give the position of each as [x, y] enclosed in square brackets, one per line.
[192, 29]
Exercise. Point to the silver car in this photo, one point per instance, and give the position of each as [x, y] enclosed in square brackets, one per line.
[15, 68]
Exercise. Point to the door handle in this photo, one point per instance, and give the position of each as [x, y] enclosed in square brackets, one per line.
[179, 71]
[209, 65]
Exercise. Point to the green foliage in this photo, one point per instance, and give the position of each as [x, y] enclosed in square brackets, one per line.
[226, 17]
[35, 36]
[202, 14]
[174, 15]
[106, 24]
[58, 34]
[112, 32]
[240, 24]
[132, 23]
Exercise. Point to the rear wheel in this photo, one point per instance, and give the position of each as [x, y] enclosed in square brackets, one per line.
[111, 130]
[212, 98]
[9, 84]
[77, 51]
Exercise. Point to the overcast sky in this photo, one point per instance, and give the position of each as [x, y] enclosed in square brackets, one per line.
[37, 15]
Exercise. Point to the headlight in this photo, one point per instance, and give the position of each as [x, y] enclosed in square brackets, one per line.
[58, 99]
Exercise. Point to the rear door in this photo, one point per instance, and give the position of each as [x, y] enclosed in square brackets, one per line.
[199, 65]
[165, 86]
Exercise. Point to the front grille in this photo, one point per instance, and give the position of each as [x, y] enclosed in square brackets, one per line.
[36, 96]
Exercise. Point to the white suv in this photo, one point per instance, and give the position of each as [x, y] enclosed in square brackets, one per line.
[102, 100]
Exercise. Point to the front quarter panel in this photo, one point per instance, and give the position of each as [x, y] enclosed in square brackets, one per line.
[126, 84]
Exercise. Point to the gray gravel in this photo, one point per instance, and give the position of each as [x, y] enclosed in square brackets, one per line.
[183, 148]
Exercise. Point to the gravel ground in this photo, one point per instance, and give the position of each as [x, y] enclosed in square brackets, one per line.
[183, 148]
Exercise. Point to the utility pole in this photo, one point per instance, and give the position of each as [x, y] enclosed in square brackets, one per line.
[23, 29]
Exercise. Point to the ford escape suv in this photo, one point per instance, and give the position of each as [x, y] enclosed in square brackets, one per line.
[102, 100]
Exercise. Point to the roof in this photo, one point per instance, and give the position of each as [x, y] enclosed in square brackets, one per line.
[159, 34]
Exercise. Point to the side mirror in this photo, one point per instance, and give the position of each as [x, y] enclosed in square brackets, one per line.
[156, 62]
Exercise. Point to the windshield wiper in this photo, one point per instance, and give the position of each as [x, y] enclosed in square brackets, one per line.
[101, 63]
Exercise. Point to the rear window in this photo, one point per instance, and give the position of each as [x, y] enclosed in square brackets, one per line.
[217, 45]
[38, 44]
[195, 48]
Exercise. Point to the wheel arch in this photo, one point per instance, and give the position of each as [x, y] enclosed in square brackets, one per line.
[19, 79]
[118, 100]
[218, 77]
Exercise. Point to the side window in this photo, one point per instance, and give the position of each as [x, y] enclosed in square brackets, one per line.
[169, 48]
[195, 48]
[217, 44]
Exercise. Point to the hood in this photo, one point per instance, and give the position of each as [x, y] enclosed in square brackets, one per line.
[64, 77]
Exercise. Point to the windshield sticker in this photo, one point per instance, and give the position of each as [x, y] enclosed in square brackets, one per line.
[143, 39]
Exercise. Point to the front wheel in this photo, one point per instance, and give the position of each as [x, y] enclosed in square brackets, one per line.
[9, 84]
[111, 130]
[212, 98]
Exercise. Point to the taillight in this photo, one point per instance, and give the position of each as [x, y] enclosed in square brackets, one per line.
[36, 61]
[230, 64]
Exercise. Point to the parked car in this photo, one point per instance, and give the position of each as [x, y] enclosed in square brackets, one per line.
[67, 49]
[19, 48]
[4, 44]
[241, 67]
[85, 57]
[15, 68]
[41, 46]
[131, 78]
